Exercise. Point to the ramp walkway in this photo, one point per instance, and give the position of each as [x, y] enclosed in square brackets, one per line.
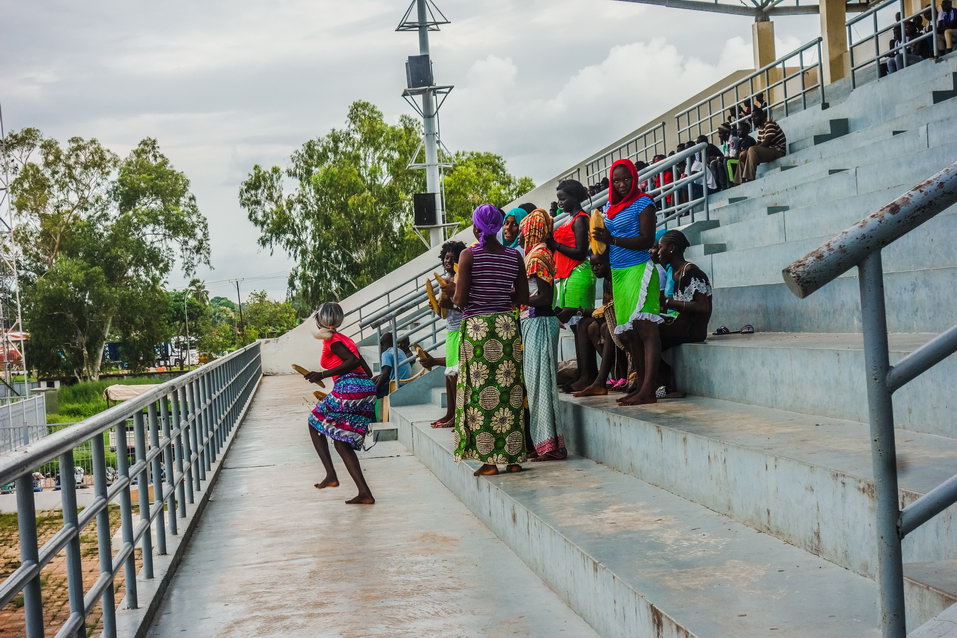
[273, 556]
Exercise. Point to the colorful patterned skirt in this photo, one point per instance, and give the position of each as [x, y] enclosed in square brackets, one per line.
[540, 335]
[637, 295]
[347, 411]
[578, 290]
[453, 341]
[490, 393]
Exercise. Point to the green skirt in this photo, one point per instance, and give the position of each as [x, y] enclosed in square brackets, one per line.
[578, 290]
[453, 341]
[637, 295]
[490, 393]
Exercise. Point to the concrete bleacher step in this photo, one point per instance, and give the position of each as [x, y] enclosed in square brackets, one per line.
[634, 560]
[815, 373]
[946, 94]
[439, 397]
[837, 127]
[917, 301]
[804, 479]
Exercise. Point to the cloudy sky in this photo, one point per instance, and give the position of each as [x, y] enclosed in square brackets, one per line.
[226, 84]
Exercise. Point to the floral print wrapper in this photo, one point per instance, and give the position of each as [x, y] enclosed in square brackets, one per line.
[489, 413]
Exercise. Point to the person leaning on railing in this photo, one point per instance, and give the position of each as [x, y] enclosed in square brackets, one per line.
[771, 145]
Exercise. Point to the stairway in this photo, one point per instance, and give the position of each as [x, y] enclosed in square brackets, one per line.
[747, 508]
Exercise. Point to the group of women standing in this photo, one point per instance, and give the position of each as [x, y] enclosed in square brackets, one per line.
[507, 294]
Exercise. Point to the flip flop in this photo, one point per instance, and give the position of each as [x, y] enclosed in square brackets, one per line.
[747, 329]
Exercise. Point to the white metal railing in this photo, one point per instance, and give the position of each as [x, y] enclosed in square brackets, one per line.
[22, 421]
[642, 146]
[793, 79]
[879, 21]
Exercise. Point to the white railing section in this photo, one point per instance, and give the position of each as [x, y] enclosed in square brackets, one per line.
[878, 21]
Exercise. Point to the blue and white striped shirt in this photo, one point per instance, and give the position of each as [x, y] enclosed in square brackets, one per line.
[625, 224]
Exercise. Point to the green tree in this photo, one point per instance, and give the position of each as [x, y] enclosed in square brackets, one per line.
[267, 318]
[345, 220]
[97, 234]
[342, 209]
[480, 178]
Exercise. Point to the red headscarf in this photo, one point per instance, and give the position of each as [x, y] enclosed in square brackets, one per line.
[616, 205]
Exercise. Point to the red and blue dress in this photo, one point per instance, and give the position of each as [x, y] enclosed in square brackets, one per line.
[347, 411]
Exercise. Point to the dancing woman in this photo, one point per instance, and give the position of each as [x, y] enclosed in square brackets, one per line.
[630, 233]
[540, 337]
[489, 414]
[346, 412]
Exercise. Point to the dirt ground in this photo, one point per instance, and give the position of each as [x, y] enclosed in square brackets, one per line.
[53, 579]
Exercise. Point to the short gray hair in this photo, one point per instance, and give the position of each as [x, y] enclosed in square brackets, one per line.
[329, 315]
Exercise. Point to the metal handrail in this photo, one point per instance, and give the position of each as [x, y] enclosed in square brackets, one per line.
[861, 245]
[665, 212]
[180, 428]
[355, 317]
[708, 124]
[879, 31]
[599, 166]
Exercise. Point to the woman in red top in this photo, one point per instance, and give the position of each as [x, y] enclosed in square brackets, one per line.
[574, 279]
[346, 412]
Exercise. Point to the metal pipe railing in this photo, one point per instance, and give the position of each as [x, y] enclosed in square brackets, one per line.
[761, 82]
[861, 245]
[872, 15]
[207, 404]
[647, 144]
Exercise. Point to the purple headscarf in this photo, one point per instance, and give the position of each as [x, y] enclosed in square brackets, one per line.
[489, 220]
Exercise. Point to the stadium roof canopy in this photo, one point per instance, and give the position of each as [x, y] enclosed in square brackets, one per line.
[760, 10]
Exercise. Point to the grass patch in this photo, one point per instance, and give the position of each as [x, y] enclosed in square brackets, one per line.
[83, 400]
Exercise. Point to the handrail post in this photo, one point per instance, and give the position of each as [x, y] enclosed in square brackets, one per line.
[126, 513]
[104, 544]
[74, 559]
[157, 467]
[168, 464]
[30, 554]
[883, 454]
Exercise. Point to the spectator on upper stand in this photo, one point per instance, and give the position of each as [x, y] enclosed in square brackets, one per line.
[895, 61]
[703, 161]
[718, 165]
[771, 145]
[663, 178]
[946, 27]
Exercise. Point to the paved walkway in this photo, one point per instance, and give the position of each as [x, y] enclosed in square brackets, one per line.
[272, 556]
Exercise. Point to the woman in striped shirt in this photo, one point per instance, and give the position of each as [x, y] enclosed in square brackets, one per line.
[490, 394]
[630, 233]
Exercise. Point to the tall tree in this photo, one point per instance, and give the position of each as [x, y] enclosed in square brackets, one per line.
[98, 235]
[480, 178]
[346, 217]
[342, 209]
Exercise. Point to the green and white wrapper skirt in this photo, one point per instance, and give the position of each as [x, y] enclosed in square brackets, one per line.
[637, 296]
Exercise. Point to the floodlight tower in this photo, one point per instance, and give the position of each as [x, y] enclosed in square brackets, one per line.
[12, 334]
[429, 206]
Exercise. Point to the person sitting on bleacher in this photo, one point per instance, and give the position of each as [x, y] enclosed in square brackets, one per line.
[692, 301]
[771, 145]
[946, 27]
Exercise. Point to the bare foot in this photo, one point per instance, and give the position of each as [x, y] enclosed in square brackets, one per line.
[592, 391]
[580, 385]
[327, 482]
[361, 500]
[486, 470]
[513, 468]
[637, 399]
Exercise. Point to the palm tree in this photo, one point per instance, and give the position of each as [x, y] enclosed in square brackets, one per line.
[197, 290]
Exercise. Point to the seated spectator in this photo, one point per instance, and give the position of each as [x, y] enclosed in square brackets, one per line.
[946, 27]
[663, 178]
[387, 363]
[771, 145]
[894, 59]
[718, 165]
[692, 300]
[711, 153]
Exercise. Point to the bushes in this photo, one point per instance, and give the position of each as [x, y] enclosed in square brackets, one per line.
[83, 400]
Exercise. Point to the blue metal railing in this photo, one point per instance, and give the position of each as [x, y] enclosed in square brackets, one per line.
[180, 429]
[861, 245]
